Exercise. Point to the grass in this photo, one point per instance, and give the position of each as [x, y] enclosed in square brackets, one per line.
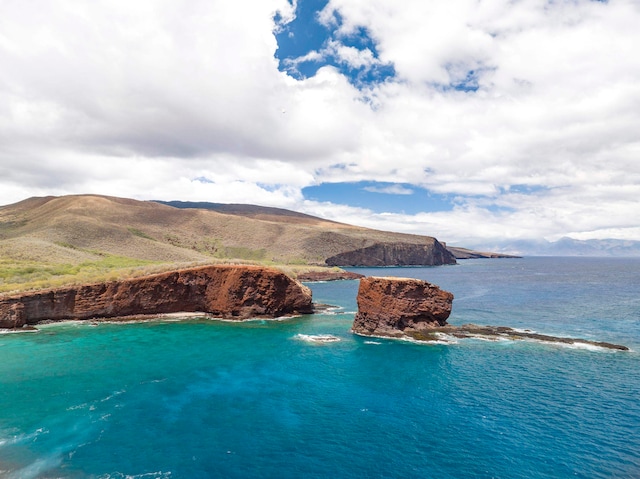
[241, 252]
[16, 275]
[141, 234]
[80, 239]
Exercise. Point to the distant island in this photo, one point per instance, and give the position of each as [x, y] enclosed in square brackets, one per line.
[609, 248]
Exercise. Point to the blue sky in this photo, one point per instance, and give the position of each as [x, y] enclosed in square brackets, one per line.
[380, 197]
[307, 34]
[475, 122]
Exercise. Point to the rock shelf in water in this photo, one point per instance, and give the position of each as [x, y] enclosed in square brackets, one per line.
[497, 333]
[224, 291]
[411, 308]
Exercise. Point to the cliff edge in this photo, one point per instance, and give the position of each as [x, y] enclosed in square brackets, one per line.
[225, 291]
[396, 306]
[431, 253]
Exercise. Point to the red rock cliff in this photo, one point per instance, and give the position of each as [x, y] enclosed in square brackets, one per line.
[226, 291]
[391, 306]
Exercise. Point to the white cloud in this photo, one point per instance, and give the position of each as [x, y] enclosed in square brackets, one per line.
[389, 190]
[140, 98]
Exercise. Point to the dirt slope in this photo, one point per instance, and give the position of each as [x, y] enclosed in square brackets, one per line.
[68, 227]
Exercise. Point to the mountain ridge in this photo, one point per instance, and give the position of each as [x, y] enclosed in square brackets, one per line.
[104, 230]
[566, 246]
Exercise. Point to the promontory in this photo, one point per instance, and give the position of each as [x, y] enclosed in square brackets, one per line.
[224, 291]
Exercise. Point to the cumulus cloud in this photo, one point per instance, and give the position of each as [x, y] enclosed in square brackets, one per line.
[527, 113]
[389, 190]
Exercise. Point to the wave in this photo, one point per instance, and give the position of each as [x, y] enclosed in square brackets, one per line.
[18, 331]
[112, 395]
[92, 404]
[120, 475]
[20, 438]
[317, 338]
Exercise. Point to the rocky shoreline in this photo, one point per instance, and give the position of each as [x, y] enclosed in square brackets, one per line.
[498, 333]
[405, 308]
[328, 275]
[390, 307]
[234, 292]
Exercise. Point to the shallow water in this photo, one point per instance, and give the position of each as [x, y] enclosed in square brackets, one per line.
[206, 398]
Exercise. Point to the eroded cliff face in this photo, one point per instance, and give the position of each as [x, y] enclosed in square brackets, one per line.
[413, 309]
[225, 291]
[395, 254]
[396, 306]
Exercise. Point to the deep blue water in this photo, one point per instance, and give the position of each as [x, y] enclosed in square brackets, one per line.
[203, 398]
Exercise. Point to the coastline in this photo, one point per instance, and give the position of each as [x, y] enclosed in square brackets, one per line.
[491, 333]
[142, 318]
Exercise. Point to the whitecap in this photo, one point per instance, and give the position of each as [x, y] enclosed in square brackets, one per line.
[578, 345]
[78, 406]
[317, 338]
[114, 394]
[442, 340]
[18, 331]
[154, 475]
[21, 438]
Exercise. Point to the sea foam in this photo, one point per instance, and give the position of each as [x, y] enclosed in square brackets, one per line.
[317, 338]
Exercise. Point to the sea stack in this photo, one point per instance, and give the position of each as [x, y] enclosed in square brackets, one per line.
[224, 291]
[394, 307]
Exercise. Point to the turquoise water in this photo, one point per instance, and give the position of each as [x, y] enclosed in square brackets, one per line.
[204, 398]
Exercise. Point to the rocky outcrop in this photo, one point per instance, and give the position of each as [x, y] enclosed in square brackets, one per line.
[328, 275]
[395, 254]
[225, 291]
[415, 309]
[496, 333]
[465, 253]
[395, 306]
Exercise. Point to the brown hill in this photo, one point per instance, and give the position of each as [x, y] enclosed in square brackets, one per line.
[89, 229]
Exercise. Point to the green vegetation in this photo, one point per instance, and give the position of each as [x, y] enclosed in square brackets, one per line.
[141, 234]
[210, 246]
[241, 252]
[23, 275]
[87, 239]
[64, 244]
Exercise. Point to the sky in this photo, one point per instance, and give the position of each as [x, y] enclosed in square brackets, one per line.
[475, 121]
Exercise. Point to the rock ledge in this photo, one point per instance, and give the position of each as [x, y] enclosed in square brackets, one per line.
[225, 291]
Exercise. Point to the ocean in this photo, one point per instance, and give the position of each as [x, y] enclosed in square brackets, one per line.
[265, 399]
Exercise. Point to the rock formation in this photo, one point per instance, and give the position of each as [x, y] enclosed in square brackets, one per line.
[395, 306]
[411, 308]
[328, 275]
[395, 254]
[226, 291]
[465, 253]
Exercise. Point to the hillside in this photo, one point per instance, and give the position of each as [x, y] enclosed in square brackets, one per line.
[106, 233]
